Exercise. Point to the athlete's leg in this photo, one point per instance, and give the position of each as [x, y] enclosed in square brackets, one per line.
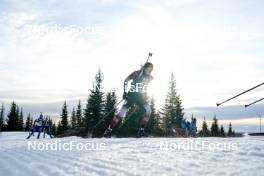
[146, 116]
[31, 132]
[39, 129]
[119, 116]
[44, 132]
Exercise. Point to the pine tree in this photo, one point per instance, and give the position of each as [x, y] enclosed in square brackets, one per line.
[28, 124]
[205, 131]
[215, 131]
[230, 130]
[59, 128]
[52, 125]
[158, 126]
[95, 107]
[172, 111]
[54, 129]
[153, 124]
[20, 119]
[110, 107]
[222, 131]
[64, 117]
[79, 115]
[73, 119]
[12, 118]
[2, 117]
[31, 122]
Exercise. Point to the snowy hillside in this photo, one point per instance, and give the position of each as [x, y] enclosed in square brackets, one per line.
[131, 156]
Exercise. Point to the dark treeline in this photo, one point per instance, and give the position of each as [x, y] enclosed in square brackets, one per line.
[95, 116]
[14, 120]
[215, 130]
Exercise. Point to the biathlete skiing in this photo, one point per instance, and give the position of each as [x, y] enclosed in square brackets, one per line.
[136, 95]
[37, 126]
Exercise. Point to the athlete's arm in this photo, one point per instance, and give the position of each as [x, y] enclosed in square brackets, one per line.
[133, 75]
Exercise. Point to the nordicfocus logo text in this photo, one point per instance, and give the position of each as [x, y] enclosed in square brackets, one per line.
[191, 145]
[65, 146]
[139, 87]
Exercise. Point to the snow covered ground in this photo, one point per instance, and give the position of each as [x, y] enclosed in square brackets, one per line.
[130, 156]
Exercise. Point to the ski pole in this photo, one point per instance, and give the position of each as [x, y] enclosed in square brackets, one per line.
[254, 102]
[218, 104]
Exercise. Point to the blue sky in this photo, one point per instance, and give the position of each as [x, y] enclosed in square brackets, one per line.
[50, 51]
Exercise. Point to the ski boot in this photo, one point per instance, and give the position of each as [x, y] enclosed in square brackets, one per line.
[107, 133]
[141, 133]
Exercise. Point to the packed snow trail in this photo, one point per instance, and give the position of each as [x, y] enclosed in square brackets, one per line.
[130, 156]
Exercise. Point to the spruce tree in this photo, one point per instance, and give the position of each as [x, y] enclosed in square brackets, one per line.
[18, 126]
[79, 115]
[205, 131]
[222, 131]
[31, 124]
[12, 118]
[2, 117]
[230, 130]
[59, 128]
[50, 123]
[172, 111]
[110, 107]
[95, 107]
[73, 119]
[153, 124]
[28, 124]
[64, 117]
[215, 131]
[21, 120]
[54, 129]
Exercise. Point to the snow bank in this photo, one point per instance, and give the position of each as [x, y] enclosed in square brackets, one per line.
[131, 156]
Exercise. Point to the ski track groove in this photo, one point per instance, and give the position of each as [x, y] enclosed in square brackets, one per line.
[90, 163]
[32, 158]
[130, 156]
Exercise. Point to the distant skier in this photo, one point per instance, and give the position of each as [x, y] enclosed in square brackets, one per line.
[135, 96]
[184, 127]
[37, 126]
[193, 127]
